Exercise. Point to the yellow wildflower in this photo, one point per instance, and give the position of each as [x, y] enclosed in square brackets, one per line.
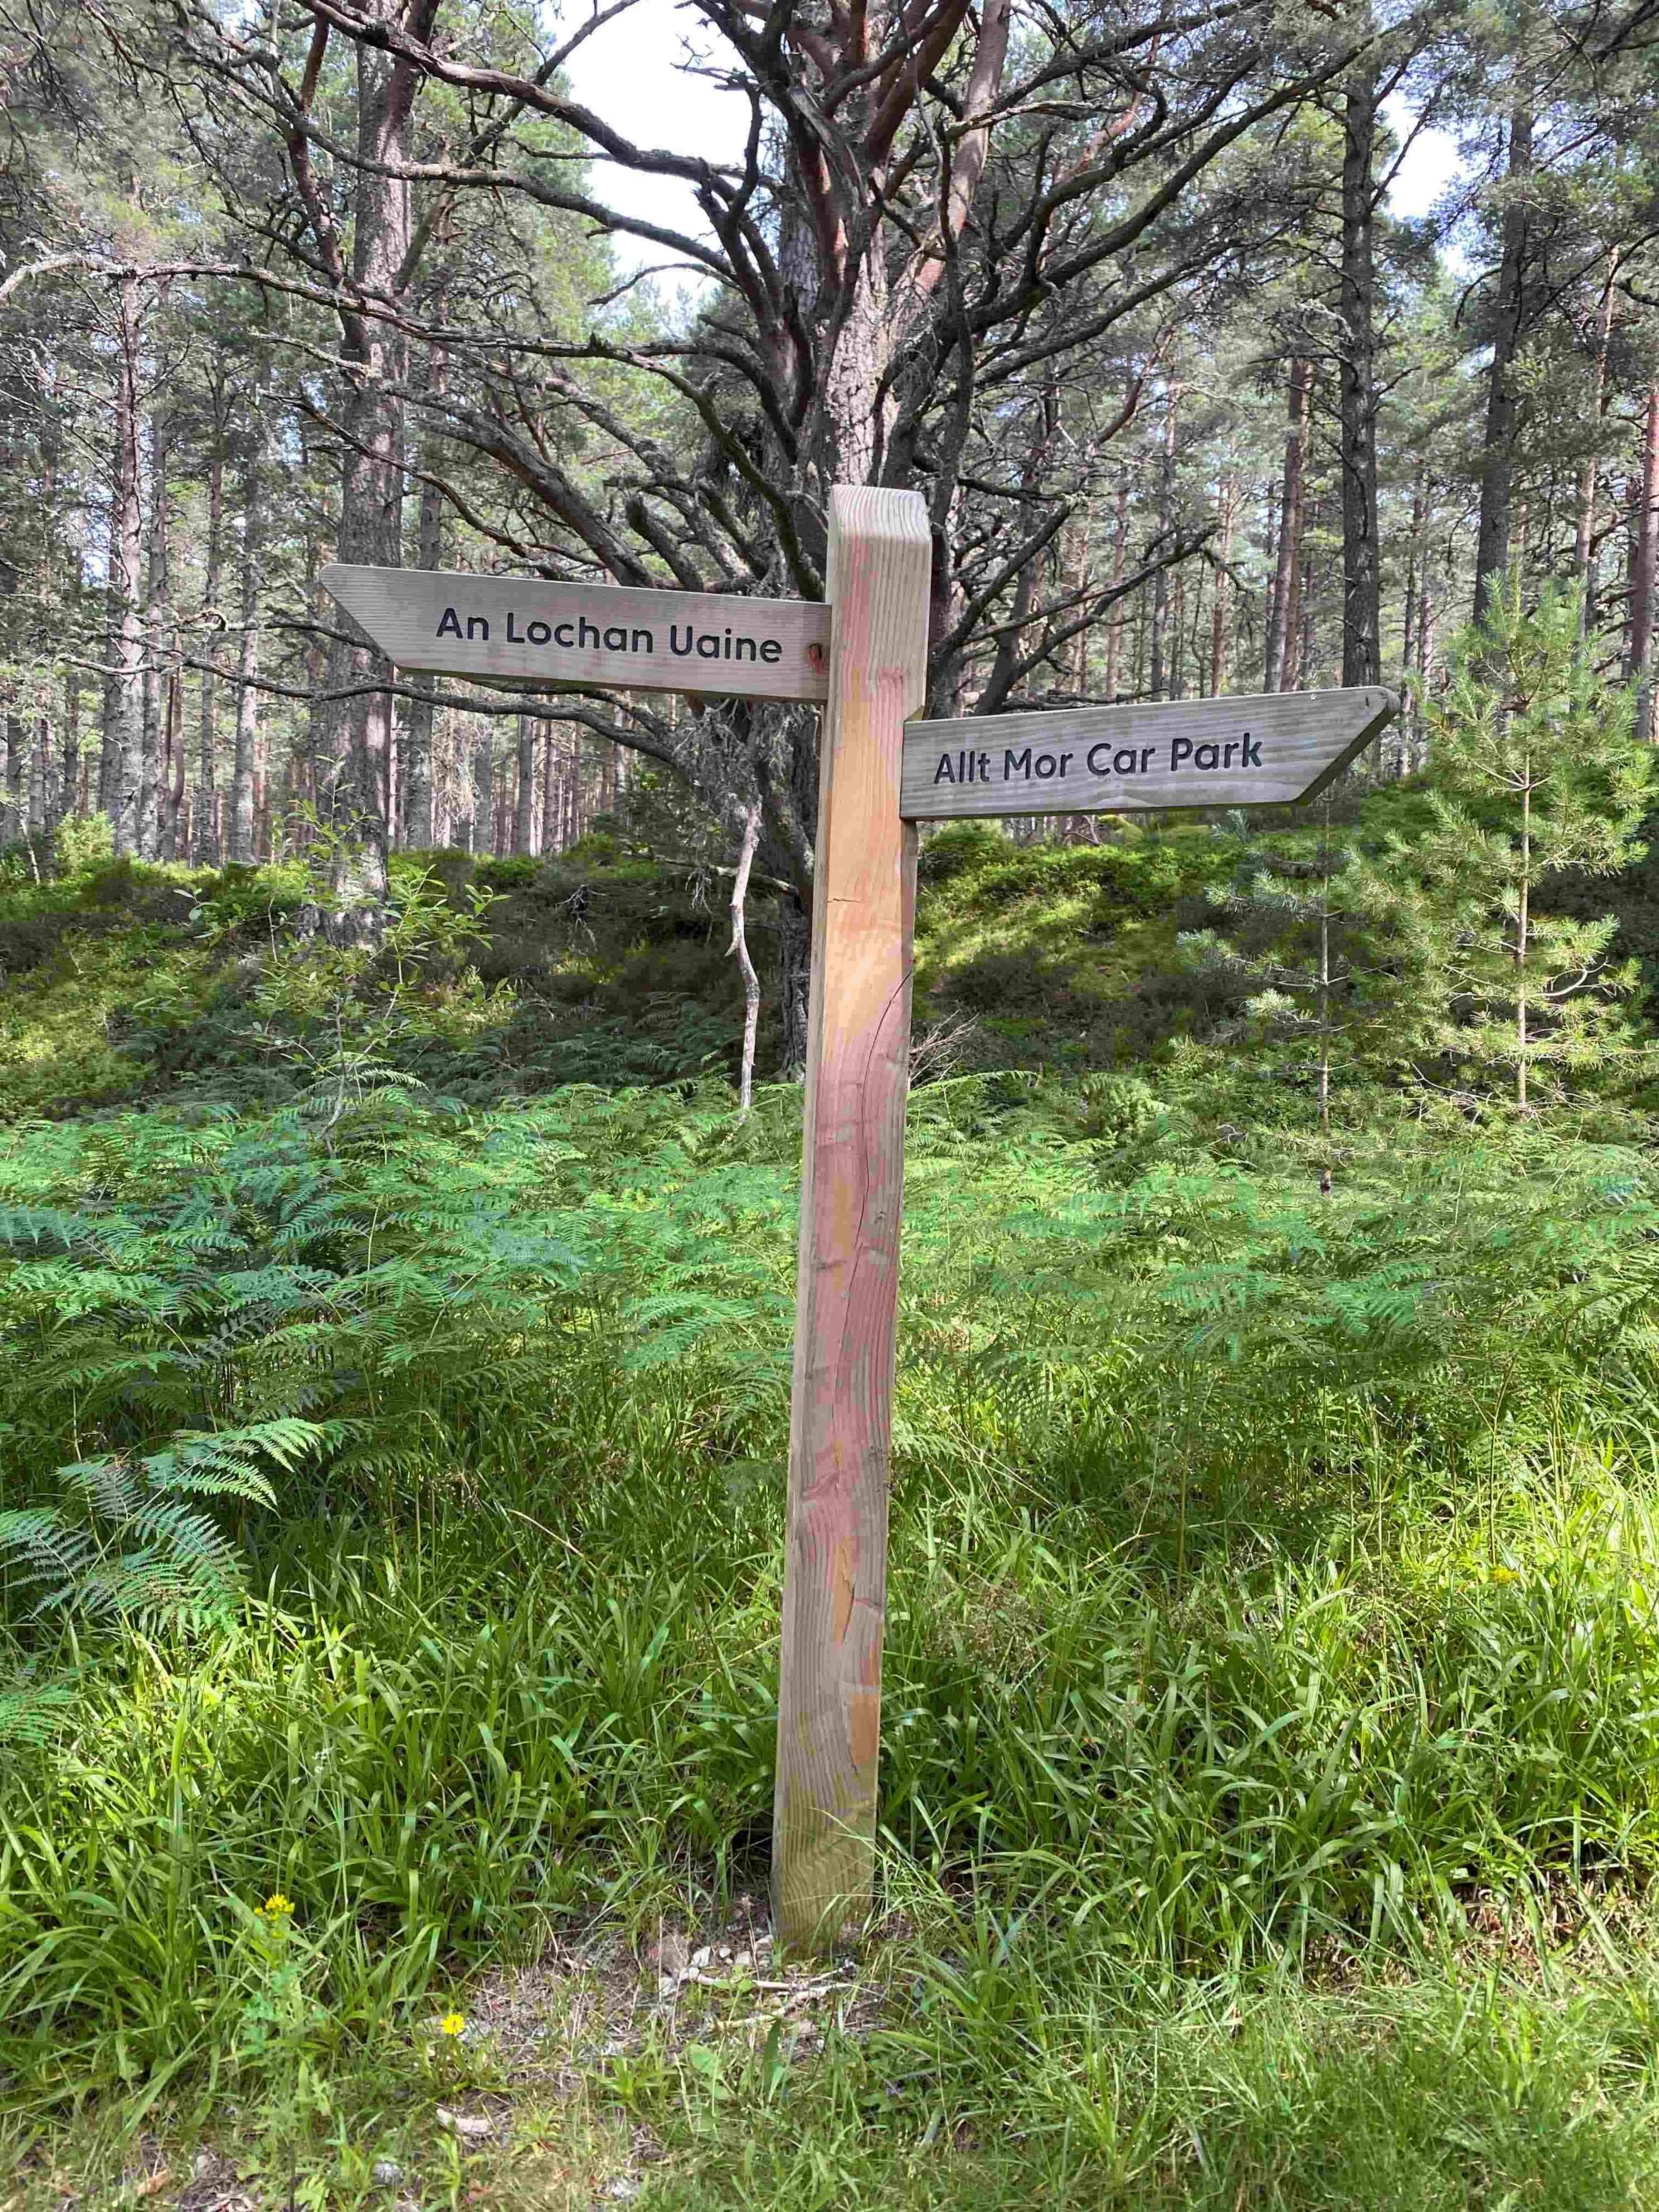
[1504, 1575]
[452, 2023]
[276, 1907]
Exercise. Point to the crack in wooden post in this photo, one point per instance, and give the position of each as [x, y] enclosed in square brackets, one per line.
[852, 1187]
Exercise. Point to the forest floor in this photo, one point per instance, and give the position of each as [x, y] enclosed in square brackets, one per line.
[1271, 1753]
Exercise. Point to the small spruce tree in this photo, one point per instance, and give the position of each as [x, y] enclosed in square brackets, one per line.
[1292, 925]
[1535, 770]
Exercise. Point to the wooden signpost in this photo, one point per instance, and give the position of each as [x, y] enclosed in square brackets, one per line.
[864, 656]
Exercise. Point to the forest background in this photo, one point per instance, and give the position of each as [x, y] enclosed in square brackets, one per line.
[396, 1248]
[1192, 410]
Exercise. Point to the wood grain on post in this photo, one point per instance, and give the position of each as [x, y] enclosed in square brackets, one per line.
[852, 1186]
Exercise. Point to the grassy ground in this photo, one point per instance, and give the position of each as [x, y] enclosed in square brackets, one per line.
[1271, 1792]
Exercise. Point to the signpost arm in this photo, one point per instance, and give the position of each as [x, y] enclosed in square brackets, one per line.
[852, 1181]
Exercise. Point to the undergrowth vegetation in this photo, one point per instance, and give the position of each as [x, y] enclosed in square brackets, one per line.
[393, 1447]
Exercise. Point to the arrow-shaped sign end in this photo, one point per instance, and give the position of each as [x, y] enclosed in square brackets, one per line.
[1269, 749]
[343, 582]
[1377, 706]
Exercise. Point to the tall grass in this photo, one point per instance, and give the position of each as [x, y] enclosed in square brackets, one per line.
[1271, 1616]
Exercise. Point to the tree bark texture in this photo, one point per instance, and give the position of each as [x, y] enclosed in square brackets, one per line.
[155, 646]
[484, 790]
[1221, 604]
[124, 731]
[1159, 676]
[1119, 554]
[1511, 313]
[243, 803]
[1583, 539]
[357, 734]
[13, 805]
[68, 774]
[1362, 558]
[428, 554]
[1281, 607]
[1644, 566]
[204, 831]
[523, 809]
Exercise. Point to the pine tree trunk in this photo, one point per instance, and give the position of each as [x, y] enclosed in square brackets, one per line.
[205, 844]
[550, 788]
[243, 798]
[1079, 579]
[1175, 675]
[1004, 662]
[1281, 613]
[459, 778]
[358, 733]
[1120, 556]
[148, 841]
[428, 554]
[1583, 540]
[1291, 655]
[1492, 557]
[1425, 642]
[108, 714]
[68, 774]
[483, 780]
[1302, 676]
[1413, 554]
[124, 731]
[1523, 890]
[1221, 604]
[524, 812]
[1362, 613]
[1644, 566]
[794, 968]
[39, 774]
[1166, 482]
[319, 764]
[12, 817]
[172, 796]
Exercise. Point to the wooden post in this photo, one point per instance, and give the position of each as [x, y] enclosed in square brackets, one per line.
[852, 1184]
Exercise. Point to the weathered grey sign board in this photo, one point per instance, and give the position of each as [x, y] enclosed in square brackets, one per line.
[1260, 751]
[521, 629]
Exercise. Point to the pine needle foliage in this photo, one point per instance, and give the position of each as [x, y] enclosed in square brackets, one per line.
[1537, 770]
[1295, 925]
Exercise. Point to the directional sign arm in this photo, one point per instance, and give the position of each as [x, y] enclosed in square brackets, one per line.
[1259, 752]
[525, 630]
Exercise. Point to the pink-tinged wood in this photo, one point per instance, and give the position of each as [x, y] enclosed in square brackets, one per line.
[852, 1189]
